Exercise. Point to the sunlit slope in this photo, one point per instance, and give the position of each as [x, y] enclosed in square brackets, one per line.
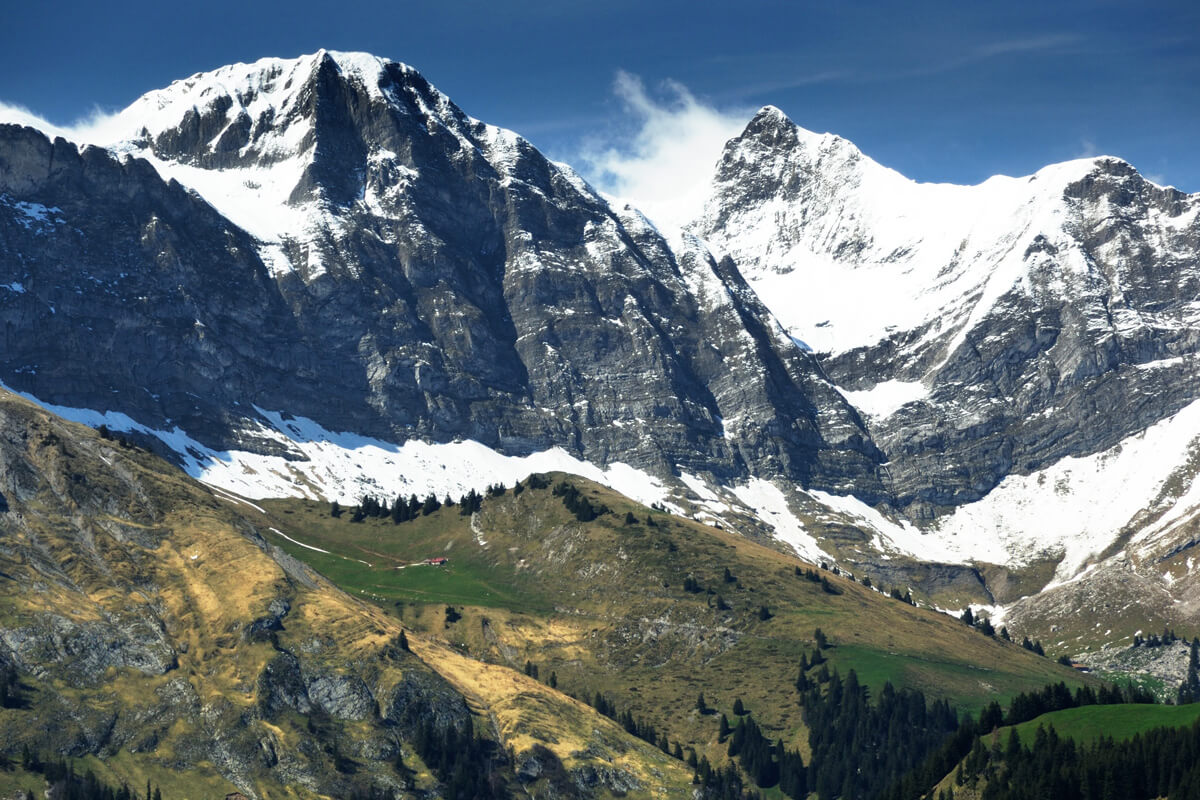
[637, 605]
[158, 636]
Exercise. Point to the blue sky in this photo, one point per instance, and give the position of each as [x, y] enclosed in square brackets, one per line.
[944, 91]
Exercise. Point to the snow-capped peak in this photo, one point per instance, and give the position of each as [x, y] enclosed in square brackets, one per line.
[285, 148]
[238, 105]
[848, 252]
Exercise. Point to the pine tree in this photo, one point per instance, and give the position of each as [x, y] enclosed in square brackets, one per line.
[335, 510]
[738, 707]
[701, 706]
[1189, 690]
[723, 728]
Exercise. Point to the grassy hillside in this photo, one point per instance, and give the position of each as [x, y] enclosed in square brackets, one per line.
[158, 636]
[604, 605]
[1120, 722]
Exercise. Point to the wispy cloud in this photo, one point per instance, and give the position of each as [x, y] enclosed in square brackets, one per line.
[1087, 149]
[1024, 45]
[796, 82]
[97, 127]
[987, 51]
[661, 155]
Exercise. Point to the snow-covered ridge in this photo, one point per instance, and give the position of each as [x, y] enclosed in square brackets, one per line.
[261, 142]
[847, 252]
[345, 466]
[1073, 510]
[269, 86]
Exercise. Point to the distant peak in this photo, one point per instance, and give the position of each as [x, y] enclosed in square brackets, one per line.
[772, 128]
[771, 113]
[769, 118]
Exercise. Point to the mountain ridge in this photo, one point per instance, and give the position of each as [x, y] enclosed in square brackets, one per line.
[427, 278]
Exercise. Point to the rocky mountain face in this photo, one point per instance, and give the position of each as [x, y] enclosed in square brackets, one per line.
[986, 330]
[331, 238]
[1025, 350]
[977, 390]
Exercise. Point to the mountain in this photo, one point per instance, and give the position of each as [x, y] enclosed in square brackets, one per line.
[271, 253]
[1025, 351]
[319, 277]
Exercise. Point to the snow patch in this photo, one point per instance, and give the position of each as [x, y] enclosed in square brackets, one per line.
[885, 398]
[278, 532]
[1072, 510]
[771, 505]
[345, 466]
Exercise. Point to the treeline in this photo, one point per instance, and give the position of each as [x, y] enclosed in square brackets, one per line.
[860, 748]
[463, 762]
[125, 442]
[984, 626]
[1168, 637]
[405, 509]
[1024, 707]
[1159, 763]
[64, 783]
[768, 763]
[637, 727]
[816, 577]
[578, 503]
[712, 783]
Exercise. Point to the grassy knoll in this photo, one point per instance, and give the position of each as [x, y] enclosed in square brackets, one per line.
[643, 611]
[1120, 722]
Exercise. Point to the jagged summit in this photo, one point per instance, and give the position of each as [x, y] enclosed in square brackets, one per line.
[252, 98]
[980, 328]
[786, 201]
[771, 127]
[416, 275]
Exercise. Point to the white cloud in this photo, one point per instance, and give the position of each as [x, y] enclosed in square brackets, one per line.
[663, 157]
[98, 127]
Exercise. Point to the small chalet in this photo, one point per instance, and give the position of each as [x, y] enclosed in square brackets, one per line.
[440, 561]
